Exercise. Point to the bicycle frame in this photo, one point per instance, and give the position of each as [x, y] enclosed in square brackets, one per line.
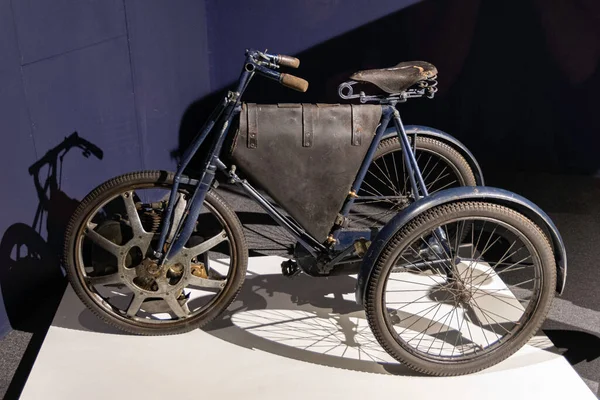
[221, 118]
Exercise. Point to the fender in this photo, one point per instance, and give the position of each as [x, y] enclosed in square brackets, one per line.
[489, 194]
[446, 138]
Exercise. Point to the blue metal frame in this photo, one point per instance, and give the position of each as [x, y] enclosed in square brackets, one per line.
[490, 194]
[222, 117]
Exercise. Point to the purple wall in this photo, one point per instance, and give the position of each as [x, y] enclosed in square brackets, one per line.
[124, 74]
[286, 27]
[135, 77]
[120, 73]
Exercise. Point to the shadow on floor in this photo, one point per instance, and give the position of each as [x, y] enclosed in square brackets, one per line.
[31, 276]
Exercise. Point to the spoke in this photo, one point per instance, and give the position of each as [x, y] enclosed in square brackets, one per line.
[103, 242]
[441, 175]
[396, 170]
[388, 176]
[432, 169]
[485, 248]
[207, 244]
[492, 291]
[393, 189]
[490, 325]
[135, 305]
[424, 169]
[459, 335]
[505, 302]
[443, 187]
[197, 281]
[110, 279]
[132, 214]
[435, 337]
[181, 311]
[455, 309]
[377, 192]
[415, 301]
[510, 268]
[380, 196]
[459, 236]
[488, 312]
[431, 322]
[427, 311]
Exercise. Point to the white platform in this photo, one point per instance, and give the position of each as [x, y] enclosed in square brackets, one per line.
[282, 339]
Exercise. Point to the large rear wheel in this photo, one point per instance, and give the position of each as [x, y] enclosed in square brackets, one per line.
[448, 303]
[386, 189]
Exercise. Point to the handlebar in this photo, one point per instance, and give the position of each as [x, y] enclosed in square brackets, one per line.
[266, 65]
[293, 82]
[286, 61]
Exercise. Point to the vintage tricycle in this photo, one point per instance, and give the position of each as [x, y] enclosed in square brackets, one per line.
[454, 276]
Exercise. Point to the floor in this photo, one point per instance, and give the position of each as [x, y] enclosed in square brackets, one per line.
[279, 339]
[573, 324]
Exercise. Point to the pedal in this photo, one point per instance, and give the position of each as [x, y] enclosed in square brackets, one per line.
[290, 268]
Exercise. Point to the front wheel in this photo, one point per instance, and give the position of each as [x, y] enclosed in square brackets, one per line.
[460, 288]
[113, 231]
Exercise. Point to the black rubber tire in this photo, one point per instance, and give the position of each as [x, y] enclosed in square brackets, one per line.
[163, 179]
[436, 216]
[441, 149]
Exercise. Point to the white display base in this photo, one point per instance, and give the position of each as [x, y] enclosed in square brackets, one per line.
[282, 339]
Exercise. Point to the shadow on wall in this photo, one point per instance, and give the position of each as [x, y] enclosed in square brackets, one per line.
[518, 78]
[31, 279]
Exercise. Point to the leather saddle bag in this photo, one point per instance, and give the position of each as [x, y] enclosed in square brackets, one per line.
[305, 156]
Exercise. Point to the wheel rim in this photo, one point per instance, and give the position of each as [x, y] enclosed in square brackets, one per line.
[386, 189]
[495, 289]
[131, 288]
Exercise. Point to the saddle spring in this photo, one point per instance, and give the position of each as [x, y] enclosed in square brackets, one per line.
[425, 87]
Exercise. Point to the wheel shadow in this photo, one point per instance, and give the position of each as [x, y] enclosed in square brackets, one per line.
[31, 278]
[307, 319]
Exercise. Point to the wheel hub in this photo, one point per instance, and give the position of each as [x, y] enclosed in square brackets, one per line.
[150, 268]
[462, 294]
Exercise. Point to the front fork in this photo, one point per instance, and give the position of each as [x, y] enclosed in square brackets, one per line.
[419, 190]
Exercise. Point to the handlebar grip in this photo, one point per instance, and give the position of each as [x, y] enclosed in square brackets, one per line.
[293, 82]
[288, 61]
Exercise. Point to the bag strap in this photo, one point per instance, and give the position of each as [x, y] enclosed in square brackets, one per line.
[356, 128]
[308, 119]
[252, 126]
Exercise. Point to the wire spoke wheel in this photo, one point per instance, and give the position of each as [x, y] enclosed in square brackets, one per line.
[109, 242]
[386, 188]
[461, 287]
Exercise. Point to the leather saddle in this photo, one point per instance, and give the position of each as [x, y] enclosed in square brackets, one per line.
[398, 78]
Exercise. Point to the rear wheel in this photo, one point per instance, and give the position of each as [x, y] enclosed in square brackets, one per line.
[111, 235]
[386, 189]
[446, 303]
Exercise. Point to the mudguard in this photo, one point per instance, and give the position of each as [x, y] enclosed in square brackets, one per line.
[489, 194]
[446, 138]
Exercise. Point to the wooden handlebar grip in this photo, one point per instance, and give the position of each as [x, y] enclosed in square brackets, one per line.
[294, 82]
[288, 61]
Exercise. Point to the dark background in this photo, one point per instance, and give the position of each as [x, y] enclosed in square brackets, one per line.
[133, 78]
